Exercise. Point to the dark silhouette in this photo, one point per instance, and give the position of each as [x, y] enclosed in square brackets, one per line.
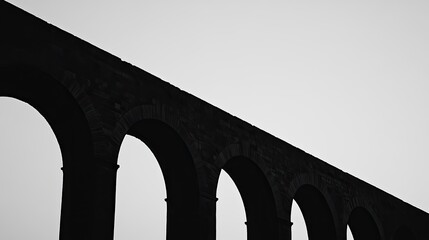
[92, 100]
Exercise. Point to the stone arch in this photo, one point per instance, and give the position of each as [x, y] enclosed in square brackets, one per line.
[363, 225]
[403, 233]
[56, 103]
[255, 191]
[316, 207]
[69, 122]
[363, 220]
[156, 112]
[165, 139]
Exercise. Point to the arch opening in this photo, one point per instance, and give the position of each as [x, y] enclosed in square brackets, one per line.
[362, 225]
[349, 234]
[179, 174]
[316, 212]
[30, 176]
[299, 229]
[230, 213]
[71, 128]
[140, 206]
[257, 196]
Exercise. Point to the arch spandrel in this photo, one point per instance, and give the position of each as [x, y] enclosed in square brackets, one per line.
[403, 232]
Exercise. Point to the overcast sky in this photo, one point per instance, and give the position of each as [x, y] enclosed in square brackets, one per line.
[345, 81]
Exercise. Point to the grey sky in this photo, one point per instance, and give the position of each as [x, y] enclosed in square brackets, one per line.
[345, 81]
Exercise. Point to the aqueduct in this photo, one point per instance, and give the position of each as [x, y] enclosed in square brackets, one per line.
[92, 99]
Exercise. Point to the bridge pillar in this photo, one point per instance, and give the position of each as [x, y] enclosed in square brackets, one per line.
[104, 208]
[88, 201]
[207, 218]
[181, 223]
[285, 229]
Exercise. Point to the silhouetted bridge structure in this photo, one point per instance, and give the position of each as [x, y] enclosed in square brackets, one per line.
[92, 99]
